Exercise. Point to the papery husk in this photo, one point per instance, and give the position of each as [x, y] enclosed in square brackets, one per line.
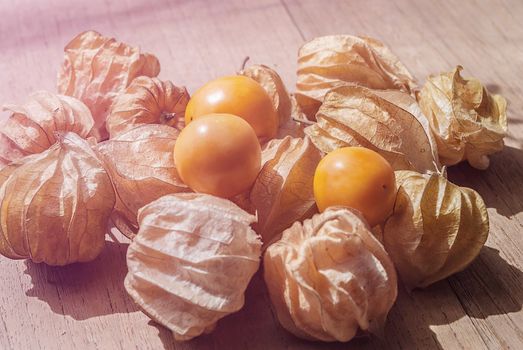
[191, 261]
[271, 82]
[33, 126]
[329, 277]
[55, 205]
[467, 121]
[409, 103]
[148, 101]
[328, 61]
[141, 165]
[295, 126]
[282, 193]
[353, 115]
[437, 228]
[97, 68]
[282, 101]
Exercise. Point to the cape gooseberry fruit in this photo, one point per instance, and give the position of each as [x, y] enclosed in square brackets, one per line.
[238, 95]
[358, 178]
[218, 154]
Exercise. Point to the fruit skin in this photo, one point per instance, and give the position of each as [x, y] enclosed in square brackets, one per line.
[218, 154]
[238, 95]
[359, 178]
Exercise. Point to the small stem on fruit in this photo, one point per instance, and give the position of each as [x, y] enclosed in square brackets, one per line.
[122, 225]
[166, 116]
[444, 171]
[303, 121]
[110, 234]
[245, 60]
[172, 119]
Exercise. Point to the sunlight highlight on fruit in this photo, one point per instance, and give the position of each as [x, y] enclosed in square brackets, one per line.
[218, 154]
[238, 95]
[358, 178]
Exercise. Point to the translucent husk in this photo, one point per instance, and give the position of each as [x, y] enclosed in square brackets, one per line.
[353, 115]
[33, 126]
[141, 166]
[283, 102]
[467, 121]
[329, 61]
[97, 68]
[148, 101]
[329, 277]
[282, 193]
[191, 261]
[437, 228]
[55, 205]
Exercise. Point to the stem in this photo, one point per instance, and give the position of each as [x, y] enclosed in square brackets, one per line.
[444, 171]
[303, 121]
[122, 225]
[245, 60]
[110, 234]
[173, 119]
[166, 116]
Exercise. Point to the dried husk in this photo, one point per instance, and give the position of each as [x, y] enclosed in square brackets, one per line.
[353, 115]
[329, 277]
[141, 166]
[97, 68]
[468, 122]
[191, 261]
[55, 205]
[33, 126]
[408, 103]
[437, 228]
[148, 101]
[271, 82]
[328, 61]
[295, 126]
[282, 193]
[282, 101]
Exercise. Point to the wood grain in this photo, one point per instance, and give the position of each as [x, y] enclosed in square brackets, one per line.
[85, 306]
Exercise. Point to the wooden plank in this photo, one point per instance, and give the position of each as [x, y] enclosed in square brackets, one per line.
[195, 41]
[85, 306]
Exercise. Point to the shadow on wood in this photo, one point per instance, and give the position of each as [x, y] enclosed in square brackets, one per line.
[256, 327]
[164, 334]
[494, 88]
[489, 286]
[84, 290]
[499, 185]
[253, 327]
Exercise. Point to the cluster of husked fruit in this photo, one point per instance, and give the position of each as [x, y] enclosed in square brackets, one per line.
[342, 181]
[218, 152]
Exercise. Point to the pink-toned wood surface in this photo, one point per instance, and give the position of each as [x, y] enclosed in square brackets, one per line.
[85, 306]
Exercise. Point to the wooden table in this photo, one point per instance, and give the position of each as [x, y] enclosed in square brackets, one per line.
[86, 307]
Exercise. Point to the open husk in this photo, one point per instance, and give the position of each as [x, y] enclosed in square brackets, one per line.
[55, 205]
[148, 101]
[329, 277]
[97, 68]
[437, 228]
[468, 122]
[409, 103]
[273, 84]
[141, 165]
[282, 101]
[191, 261]
[329, 61]
[33, 126]
[282, 193]
[353, 115]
